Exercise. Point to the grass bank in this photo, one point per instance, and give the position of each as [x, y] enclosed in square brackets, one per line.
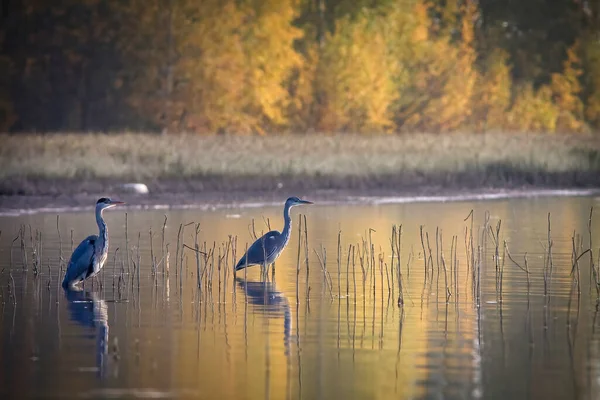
[36, 163]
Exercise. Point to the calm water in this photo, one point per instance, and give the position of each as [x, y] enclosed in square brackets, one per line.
[153, 335]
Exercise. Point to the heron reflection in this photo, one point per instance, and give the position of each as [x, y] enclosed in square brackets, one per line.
[267, 300]
[88, 310]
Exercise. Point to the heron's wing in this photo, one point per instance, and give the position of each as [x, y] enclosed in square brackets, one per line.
[81, 262]
[262, 249]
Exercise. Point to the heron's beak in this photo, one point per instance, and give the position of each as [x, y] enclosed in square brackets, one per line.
[116, 203]
[306, 202]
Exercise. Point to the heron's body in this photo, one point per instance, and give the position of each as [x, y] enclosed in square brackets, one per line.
[89, 257]
[266, 249]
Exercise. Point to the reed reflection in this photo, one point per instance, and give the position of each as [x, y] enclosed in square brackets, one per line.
[89, 310]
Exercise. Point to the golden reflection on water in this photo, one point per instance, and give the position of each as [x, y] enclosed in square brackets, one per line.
[259, 341]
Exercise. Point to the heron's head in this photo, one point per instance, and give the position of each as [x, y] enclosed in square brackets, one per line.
[106, 202]
[295, 201]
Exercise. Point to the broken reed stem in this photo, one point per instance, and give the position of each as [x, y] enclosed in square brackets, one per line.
[322, 262]
[527, 272]
[11, 250]
[592, 266]
[23, 251]
[576, 263]
[198, 269]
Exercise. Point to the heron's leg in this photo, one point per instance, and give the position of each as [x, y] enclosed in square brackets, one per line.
[273, 272]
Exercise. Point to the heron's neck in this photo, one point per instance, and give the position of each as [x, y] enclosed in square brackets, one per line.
[103, 235]
[287, 227]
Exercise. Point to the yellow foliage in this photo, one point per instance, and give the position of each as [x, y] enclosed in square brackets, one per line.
[492, 94]
[436, 92]
[270, 58]
[302, 92]
[354, 78]
[533, 111]
[566, 90]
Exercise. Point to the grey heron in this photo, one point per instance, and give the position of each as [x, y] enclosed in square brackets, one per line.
[265, 250]
[89, 257]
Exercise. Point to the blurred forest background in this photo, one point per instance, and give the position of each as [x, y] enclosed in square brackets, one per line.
[270, 66]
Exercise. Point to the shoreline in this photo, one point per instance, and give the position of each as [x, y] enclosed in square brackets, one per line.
[69, 196]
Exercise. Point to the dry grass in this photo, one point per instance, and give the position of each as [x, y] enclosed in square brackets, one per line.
[135, 156]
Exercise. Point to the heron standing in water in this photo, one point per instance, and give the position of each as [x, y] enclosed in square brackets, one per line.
[89, 257]
[265, 250]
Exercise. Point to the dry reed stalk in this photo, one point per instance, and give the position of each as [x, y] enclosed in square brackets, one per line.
[372, 259]
[11, 251]
[550, 260]
[527, 272]
[354, 270]
[470, 246]
[424, 253]
[61, 260]
[139, 260]
[23, 250]
[162, 243]
[348, 272]
[392, 241]
[177, 249]
[198, 269]
[306, 258]
[430, 262]
[592, 266]
[152, 259]
[322, 262]
[298, 261]
[339, 263]
[114, 266]
[126, 243]
[437, 248]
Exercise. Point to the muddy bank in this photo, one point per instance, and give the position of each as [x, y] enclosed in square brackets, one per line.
[25, 195]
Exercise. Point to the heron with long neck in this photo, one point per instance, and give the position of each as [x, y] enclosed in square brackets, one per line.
[89, 257]
[265, 250]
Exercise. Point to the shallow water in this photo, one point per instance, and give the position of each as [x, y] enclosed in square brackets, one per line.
[135, 335]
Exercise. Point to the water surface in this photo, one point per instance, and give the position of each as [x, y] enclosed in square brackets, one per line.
[155, 334]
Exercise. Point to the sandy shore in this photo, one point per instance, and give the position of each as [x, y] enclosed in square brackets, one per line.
[55, 196]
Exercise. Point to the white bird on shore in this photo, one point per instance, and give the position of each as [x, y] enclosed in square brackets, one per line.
[89, 257]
